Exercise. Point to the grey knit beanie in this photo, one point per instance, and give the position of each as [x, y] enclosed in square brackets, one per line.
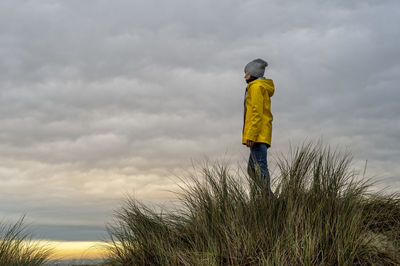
[256, 68]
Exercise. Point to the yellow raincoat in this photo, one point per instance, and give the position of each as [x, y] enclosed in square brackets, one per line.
[257, 124]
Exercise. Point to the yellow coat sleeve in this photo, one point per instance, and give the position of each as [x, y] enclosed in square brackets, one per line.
[255, 104]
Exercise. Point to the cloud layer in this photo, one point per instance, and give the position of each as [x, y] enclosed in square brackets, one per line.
[100, 99]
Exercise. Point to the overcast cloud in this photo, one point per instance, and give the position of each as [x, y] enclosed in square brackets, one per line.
[100, 99]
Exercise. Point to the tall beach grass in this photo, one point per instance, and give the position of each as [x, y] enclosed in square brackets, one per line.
[18, 249]
[321, 213]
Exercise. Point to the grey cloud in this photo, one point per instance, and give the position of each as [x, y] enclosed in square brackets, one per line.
[100, 98]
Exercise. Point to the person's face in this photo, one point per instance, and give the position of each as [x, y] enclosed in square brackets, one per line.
[247, 76]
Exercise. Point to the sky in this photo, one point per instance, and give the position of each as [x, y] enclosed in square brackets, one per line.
[104, 99]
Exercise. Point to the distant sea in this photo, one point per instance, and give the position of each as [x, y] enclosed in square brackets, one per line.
[74, 262]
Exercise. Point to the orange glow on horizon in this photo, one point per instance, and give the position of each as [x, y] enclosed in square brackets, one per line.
[75, 249]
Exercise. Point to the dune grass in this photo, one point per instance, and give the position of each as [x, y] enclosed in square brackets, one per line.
[322, 213]
[18, 249]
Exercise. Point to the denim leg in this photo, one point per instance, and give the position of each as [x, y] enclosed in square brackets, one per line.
[258, 166]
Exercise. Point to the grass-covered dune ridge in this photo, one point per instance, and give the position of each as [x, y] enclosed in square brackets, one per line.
[18, 249]
[322, 214]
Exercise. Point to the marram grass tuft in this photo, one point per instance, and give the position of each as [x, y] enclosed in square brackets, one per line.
[321, 214]
[18, 249]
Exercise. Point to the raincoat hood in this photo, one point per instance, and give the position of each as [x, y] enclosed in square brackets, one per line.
[268, 84]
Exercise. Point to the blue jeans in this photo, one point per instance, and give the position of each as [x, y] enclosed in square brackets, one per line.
[258, 167]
